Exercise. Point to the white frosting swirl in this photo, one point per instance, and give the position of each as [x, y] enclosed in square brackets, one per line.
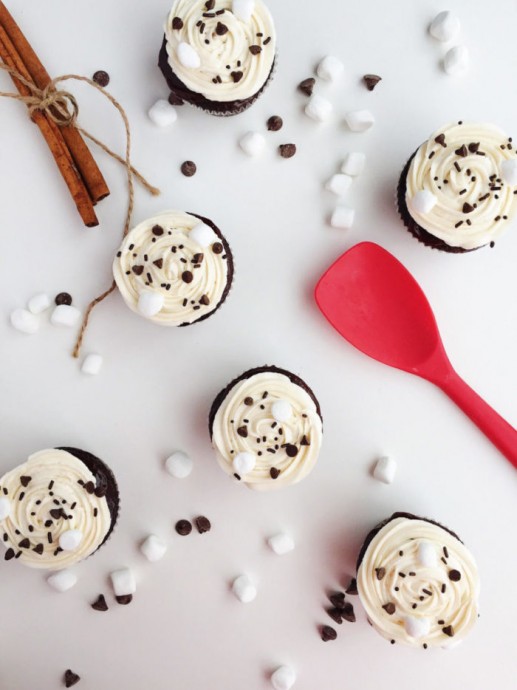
[475, 179]
[147, 261]
[245, 423]
[417, 576]
[49, 481]
[229, 70]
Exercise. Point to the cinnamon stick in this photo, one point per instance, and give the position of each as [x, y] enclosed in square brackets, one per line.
[52, 134]
[81, 154]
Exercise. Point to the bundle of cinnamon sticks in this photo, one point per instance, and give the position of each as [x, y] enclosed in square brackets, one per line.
[72, 156]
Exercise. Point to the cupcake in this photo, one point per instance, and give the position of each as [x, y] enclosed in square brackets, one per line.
[418, 583]
[218, 54]
[175, 269]
[57, 508]
[266, 428]
[458, 191]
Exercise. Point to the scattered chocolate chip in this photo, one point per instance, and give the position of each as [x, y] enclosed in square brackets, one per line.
[158, 263]
[248, 400]
[202, 524]
[124, 599]
[25, 543]
[448, 630]
[307, 86]
[275, 123]
[440, 139]
[328, 633]
[177, 23]
[380, 572]
[157, 231]
[274, 473]
[138, 270]
[188, 168]
[389, 608]
[454, 575]
[336, 615]
[217, 248]
[24, 480]
[56, 513]
[242, 431]
[209, 5]
[348, 613]
[352, 587]
[287, 150]
[100, 603]
[337, 599]
[174, 99]
[462, 151]
[63, 298]
[187, 276]
[291, 450]
[101, 78]
[38, 549]
[467, 208]
[371, 81]
[183, 527]
[236, 76]
[255, 50]
[89, 487]
[70, 678]
[9, 554]
[473, 147]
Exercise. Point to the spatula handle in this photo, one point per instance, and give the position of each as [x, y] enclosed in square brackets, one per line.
[497, 429]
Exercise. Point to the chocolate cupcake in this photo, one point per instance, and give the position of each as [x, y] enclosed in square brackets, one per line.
[175, 269]
[218, 54]
[266, 428]
[458, 191]
[57, 508]
[418, 583]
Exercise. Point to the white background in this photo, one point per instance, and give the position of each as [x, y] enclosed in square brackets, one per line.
[185, 630]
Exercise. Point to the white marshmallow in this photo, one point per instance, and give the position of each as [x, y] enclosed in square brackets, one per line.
[5, 508]
[65, 315]
[153, 548]
[354, 163]
[38, 303]
[330, 68]
[92, 364]
[427, 555]
[509, 171]
[281, 543]
[203, 235]
[70, 539]
[123, 582]
[359, 120]
[456, 61]
[179, 465]
[150, 302]
[24, 321]
[445, 26]
[283, 678]
[243, 463]
[281, 410]
[423, 201]
[416, 627]
[252, 143]
[244, 589]
[343, 217]
[62, 581]
[318, 108]
[385, 469]
[162, 113]
[188, 56]
[339, 184]
[243, 9]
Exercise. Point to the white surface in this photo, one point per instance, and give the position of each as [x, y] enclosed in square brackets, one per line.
[184, 626]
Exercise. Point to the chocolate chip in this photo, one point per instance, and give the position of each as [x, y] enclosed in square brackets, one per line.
[467, 208]
[275, 123]
[352, 587]
[448, 630]
[203, 524]
[337, 599]
[187, 276]
[63, 298]
[101, 78]
[70, 678]
[440, 139]
[348, 613]
[138, 270]
[38, 549]
[183, 527]
[24, 480]
[177, 23]
[25, 544]
[209, 5]
[188, 168]
[158, 263]
[304, 441]
[255, 50]
[371, 81]
[89, 487]
[336, 615]
[56, 513]
[100, 603]
[473, 147]
[274, 473]
[236, 76]
[287, 150]
[204, 300]
[124, 599]
[462, 151]
[9, 554]
[291, 450]
[221, 29]
[328, 633]
[389, 608]
[307, 86]
[380, 573]
[454, 575]
[248, 400]
[217, 248]
[242, 431]
[157, 230]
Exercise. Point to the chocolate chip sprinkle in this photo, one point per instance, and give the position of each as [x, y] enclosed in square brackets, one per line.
[291, 450]
[380, 573]
[177, 23]
[101, 77]
[287, 150]
[352, 587]
[255, 50]
[327, 633]
[138, 270]
[307, 86]
[217, 248]
[248, 400]
[337, 599]
[188, 168]
[454, 575]
[25, 544]
[275, 123]
[63, 298]
[70, 678]
[24, 480]
[389, 608]
[336, 615]
[448, 630]
[9, 554]
[203, 524]
[467, 208]
[100, 603]
[38, 549]
[183, 527]
[348, 613]
[236, 76]
[371, 81]
[124, 599]
[274, 473]
[440, 139]
[158, 263]
[187, 276]
[242, 431]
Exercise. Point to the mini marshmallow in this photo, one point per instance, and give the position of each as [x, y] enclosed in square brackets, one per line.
[92, 364]
[318, 108]
[359, 120]
[203, 235]
[123, 582]
[509, 171]
[456, 61]
[150, 302]
[62, 581]
[385, 469]
[426, 554]
[244, 589]
[38, 303]
[179, 465]
[70, 539]
[188, 56]
[330, 68]
[343, 217]
[282, 410]
[24, 321]
[283, 678]
[416, 627]
[354, 164]
[5, 508]
[243, 9]
[423, 201]
[445, 26]
[65, 315]
[252, 143]
[243, 463]
[339, 184]
[153, 548]
[162, 113]
[281, 543]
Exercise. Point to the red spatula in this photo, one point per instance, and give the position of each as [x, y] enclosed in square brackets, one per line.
[377, 305]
